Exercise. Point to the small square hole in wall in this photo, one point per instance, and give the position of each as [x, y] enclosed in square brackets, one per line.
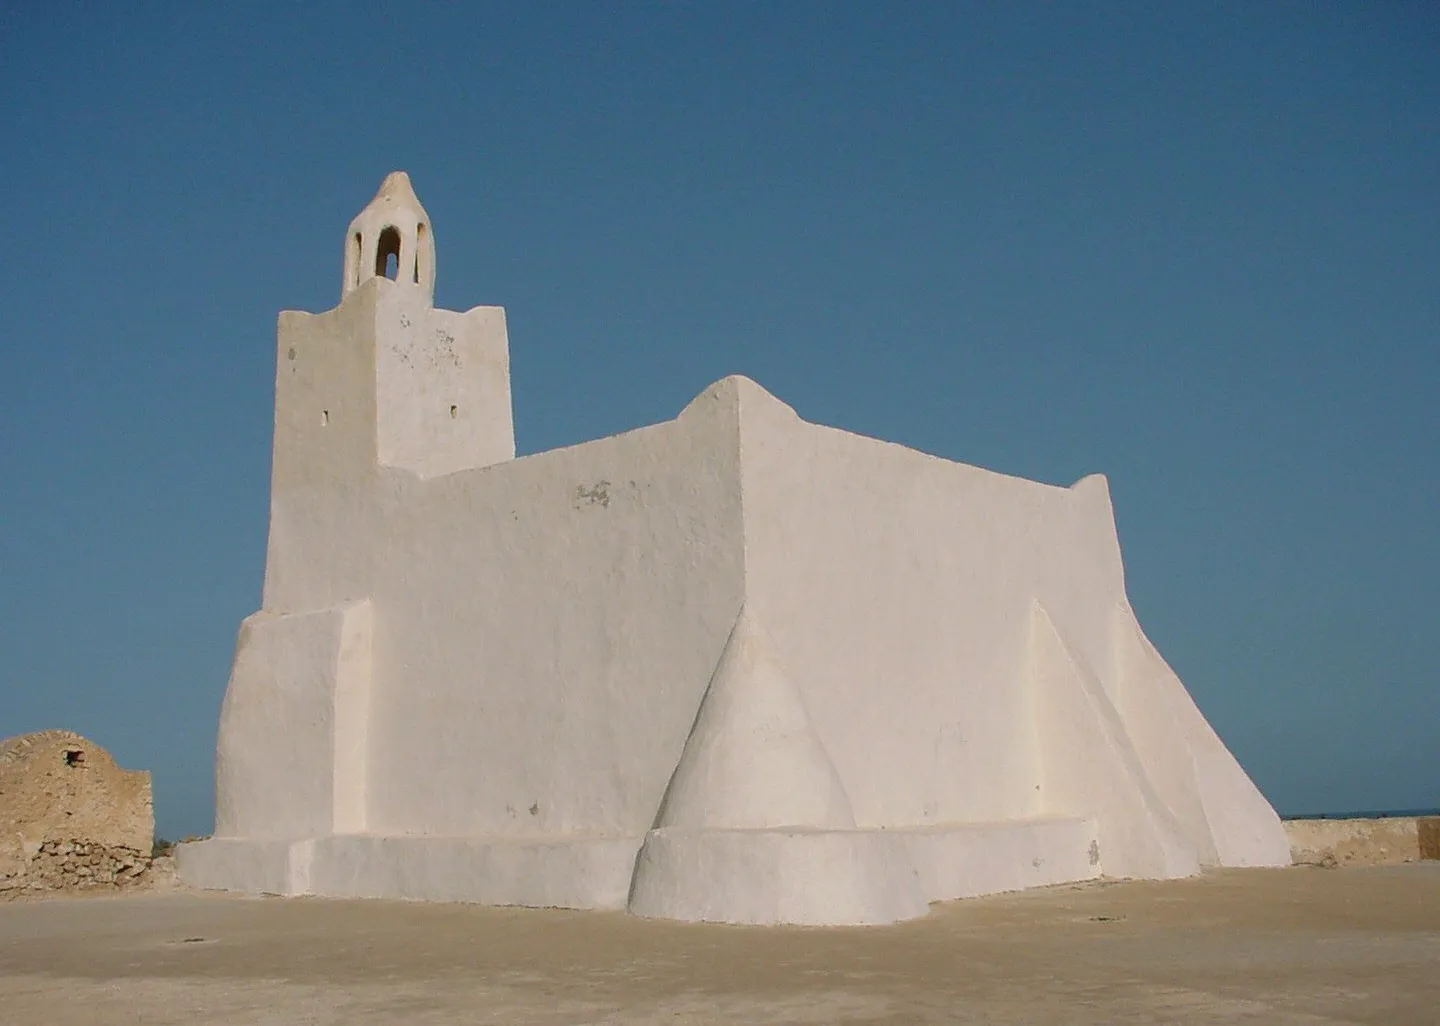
[74, 757]
[324, 418]
[454, 412]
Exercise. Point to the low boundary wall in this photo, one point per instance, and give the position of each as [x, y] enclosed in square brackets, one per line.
[1363, 842]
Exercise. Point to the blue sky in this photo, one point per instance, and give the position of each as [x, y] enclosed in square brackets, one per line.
[1194, 247]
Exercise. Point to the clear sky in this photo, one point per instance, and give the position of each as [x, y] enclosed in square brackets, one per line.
[1195, 247]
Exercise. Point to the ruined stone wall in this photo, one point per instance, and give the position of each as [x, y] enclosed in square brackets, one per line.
[69, 816]
[82, 866]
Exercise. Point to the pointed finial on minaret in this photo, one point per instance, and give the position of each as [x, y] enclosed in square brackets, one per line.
[391, 238]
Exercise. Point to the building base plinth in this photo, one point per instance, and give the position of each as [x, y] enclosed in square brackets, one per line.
[802, 876]
[967, 860]
[808, 877]
[592, 873]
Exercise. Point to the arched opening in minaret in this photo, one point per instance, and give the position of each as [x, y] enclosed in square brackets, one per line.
[420, 233]
[357, 247]
[387, 253]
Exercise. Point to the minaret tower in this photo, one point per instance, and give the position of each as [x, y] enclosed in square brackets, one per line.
[383, 384]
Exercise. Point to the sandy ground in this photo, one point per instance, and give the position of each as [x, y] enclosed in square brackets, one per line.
[1240, 946]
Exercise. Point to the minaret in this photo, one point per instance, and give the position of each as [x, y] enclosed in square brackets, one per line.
[384, 383]
[391, 238]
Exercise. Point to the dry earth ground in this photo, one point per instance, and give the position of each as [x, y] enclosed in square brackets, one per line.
[1276, 947]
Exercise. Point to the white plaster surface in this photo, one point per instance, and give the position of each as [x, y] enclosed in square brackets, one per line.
[970, 859]
[249, 864]
[302, 678]
[735, 666]
[752, 760]
[810, 877]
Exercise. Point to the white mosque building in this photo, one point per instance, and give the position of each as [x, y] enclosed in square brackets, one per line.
[734, 667]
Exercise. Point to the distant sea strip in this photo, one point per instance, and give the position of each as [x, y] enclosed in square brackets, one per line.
[1384, 814]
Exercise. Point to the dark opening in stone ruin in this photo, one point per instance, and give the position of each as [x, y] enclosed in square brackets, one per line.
[74, 757]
